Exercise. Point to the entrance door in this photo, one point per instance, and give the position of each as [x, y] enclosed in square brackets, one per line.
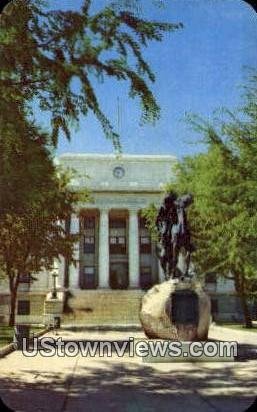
[119, 275]
[87, 278]
[146, 277]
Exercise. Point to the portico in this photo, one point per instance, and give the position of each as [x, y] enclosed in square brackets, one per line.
[112, 246]
[115, 250]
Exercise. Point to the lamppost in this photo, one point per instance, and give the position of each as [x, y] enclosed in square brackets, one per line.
[54, 291]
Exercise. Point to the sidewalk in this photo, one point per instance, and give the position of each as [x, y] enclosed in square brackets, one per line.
[74, 384]
[215, 332]
[223, 333]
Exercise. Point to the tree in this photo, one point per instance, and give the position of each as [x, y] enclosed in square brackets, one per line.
[43, 52]
[223, 180]
[34, 199]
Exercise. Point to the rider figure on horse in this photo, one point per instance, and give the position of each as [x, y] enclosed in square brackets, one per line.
[174, 233]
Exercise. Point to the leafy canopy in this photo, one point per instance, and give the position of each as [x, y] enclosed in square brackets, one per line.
[44, 53]
[224, 183]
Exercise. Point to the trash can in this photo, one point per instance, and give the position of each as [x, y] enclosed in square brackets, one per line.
[20, 332]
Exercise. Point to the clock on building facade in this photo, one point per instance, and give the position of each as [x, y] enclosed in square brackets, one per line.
[118, 172]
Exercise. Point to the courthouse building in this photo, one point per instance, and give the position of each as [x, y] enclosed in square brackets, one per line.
[115, 250]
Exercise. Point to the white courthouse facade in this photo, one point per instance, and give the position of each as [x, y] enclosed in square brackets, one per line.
[115, 250]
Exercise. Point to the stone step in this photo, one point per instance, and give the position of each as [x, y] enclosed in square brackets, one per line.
[107, 327]
[109, 293]
[83, 299]
[104, 306]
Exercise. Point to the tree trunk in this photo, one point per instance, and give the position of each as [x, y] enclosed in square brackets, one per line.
[240, 286]
[66, 282]
[13, 285]
[13, 308]
[246, 311]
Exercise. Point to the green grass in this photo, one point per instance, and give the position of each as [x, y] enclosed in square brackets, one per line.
[6, 335]
[7, 332]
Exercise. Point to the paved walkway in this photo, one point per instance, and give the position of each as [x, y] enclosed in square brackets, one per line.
[124, 384]
[223, 333]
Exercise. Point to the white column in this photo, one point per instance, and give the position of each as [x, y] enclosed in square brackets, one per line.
[103, 273]
[74, 224]
[133, 249]
[60, 279]
[74, 269]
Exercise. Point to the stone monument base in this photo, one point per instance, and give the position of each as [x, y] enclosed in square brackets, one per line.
[176, 310]
[53, 309]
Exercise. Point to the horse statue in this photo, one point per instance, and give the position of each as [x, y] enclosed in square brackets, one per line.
[174, 234]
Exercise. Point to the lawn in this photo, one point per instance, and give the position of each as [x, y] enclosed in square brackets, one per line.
[7, 332]
[6, 335]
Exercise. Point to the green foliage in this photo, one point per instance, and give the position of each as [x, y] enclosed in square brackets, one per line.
[34, 198]
[34, 201]
[223, 180]
[43, 52]
[150, 214]
[224, 183]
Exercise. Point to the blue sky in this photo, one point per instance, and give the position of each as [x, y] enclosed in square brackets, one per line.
[198, 69]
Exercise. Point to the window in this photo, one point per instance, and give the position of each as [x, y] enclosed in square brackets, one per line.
[89, 244]
[117, 240]
[145, 244]
[118, 245]
[89, 232]
[89, 270]
[89, 222]
[117, 223]
[88, 280]
[113, 240]
[90, 240]
[23, 307]
[145, 240]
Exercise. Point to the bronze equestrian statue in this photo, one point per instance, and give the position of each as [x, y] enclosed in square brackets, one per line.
[167, 216]
[174, 234]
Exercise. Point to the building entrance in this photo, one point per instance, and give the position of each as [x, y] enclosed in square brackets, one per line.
[119, 275]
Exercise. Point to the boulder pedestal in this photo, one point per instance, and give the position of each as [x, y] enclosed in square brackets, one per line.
[176, 310]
